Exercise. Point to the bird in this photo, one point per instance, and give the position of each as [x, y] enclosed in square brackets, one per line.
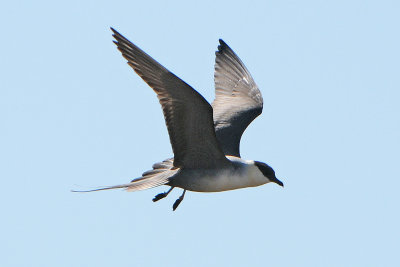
[205, 138]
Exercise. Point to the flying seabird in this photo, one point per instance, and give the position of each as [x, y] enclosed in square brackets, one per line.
[205, 138]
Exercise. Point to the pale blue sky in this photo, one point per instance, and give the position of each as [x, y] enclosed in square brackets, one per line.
[73, 115]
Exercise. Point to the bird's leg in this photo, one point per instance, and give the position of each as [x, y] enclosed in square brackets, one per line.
[179, 200]
[162, 195]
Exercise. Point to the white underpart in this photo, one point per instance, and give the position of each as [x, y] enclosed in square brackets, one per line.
[249, 176]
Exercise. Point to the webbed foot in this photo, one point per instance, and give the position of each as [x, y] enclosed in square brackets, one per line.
[178, 201]
[162, 195]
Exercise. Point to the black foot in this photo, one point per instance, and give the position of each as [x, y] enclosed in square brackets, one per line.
[162, 195]
[178, 201]
[159, 196]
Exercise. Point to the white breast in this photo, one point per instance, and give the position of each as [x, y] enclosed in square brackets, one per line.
[246, 174]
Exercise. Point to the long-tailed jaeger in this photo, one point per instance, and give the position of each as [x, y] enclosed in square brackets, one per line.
[205, 138]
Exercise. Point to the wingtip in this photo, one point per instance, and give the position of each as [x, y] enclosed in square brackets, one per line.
[222, 46]
[116, 34]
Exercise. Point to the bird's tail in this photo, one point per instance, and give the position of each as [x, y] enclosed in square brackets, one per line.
[159, 175]
[102, 188]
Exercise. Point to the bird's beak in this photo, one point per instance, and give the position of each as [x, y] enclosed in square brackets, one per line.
[278, 182]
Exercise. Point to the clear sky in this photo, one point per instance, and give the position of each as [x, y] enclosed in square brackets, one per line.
[74, 115]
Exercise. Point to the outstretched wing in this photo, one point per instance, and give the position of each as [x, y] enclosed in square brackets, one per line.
[187, 114]
[238, 100]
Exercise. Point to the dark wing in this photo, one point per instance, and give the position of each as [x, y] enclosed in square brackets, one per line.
[187, 114]
[237, 99]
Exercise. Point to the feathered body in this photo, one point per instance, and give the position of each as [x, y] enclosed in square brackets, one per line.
[205, 138]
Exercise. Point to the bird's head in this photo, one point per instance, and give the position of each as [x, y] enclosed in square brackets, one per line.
[268, 172]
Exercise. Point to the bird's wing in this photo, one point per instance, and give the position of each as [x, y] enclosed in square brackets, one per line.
[187, 114]
[238, 100]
